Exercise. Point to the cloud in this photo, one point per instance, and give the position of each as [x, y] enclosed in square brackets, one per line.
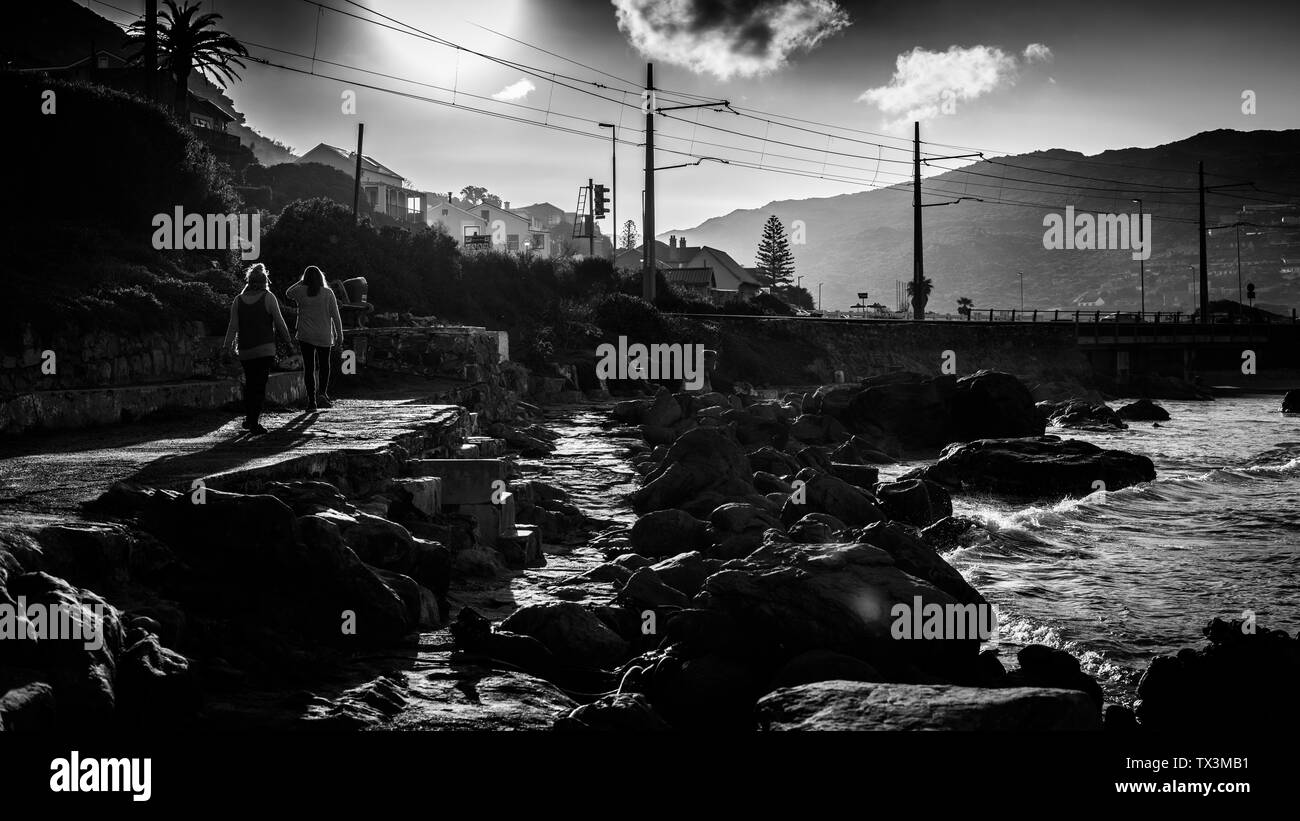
[1037, 53]
[515, 91]
[925, 82]
[728, 38]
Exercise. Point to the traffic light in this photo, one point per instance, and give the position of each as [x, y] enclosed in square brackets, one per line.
[1250, 291]
[601, 201]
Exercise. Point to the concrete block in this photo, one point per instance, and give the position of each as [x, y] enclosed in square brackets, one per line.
[464, 481]
[522, 547]
[468, 452]
[425, 491]
[488, 446]
[494, 520]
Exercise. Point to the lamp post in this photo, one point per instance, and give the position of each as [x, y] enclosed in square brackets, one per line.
[1022, 291]
[819, 296]
[1192, 268]
[613, 183]
[1142, 270]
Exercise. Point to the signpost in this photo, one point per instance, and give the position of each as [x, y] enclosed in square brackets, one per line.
[478, 242]
[862, 302]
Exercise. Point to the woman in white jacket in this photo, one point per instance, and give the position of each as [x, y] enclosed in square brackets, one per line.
[320, 327]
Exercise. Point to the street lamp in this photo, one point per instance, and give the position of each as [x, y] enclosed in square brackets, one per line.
[1022, 291]
[613, 181]
[1142, 272]
[1192, 268]
[819, 295]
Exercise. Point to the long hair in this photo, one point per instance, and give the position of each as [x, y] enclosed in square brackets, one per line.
[256, 278]
[314, 279]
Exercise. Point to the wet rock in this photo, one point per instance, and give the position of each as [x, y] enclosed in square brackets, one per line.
[667, 533]
[823, 493]
[645, 589]
[620, 712]
[765, 482]
[713, 691]
[1082, 415]
[815, 429]
[770, 460]
[702, 460]
[823, 665]
[863, 476]
[860, 705]
[816, 458]
[946, 534]
[1143, 410]
[664, 412]
[858, 451]
[832, 400]
[631, 411]
[737, 529]
[90, 554]
[916, 558]
[570, 631]
[1226, 685]
[685, 571]
[1042, 666]
[379, 542]
[991, 404]
[787, 598]
[29, 709]
[754, 428]
[607, 572]
[816, 528]
[307, 496]
[339, 581]
[633, 561]
[914, 501]
[155, 687]
[1036, 467]
[909, 411]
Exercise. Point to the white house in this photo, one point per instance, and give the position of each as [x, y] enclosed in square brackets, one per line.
[388, 192]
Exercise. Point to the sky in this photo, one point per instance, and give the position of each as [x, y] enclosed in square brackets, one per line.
[1001, 77]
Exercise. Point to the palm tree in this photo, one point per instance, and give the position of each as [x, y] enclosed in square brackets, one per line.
[187, 40]
[964, 304]
[919, 300]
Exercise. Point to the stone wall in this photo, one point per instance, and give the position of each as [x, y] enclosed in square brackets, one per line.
[99, 359]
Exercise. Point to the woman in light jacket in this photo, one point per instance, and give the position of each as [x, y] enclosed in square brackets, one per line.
[254, 318]
[320, 326]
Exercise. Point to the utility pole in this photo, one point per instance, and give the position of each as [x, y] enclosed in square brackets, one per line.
[918, 262]
[648, 217]
[356, 185]
[1205, 265]
[591, 220]
[1238, 229]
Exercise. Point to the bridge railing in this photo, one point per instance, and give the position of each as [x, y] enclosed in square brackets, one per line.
[1100, 316]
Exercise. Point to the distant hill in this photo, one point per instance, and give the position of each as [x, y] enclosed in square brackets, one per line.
[863, 241]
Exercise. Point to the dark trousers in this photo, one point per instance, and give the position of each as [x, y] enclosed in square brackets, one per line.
[256, 373]
[315, 358]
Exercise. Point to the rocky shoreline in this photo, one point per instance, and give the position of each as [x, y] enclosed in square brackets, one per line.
[757, 589]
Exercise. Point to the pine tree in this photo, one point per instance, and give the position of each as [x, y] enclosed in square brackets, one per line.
[775, 262]
[629, 234]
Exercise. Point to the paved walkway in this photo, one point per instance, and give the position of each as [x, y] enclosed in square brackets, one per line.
[57, 472]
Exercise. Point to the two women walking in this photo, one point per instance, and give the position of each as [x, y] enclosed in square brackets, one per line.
[254, 320]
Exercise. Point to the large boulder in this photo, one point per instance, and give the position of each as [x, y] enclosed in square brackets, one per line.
[1036, 467]
[787, 598]
[916, 558]
[864, 705]
[685, 571]
[1144, 410]
[991, 404]
[823, 493]
[914, 501]
[737, 529]
[1201, 690]
[1043, 666]
[667, 533]
[907, 413]
[699, 461]
[773, 461]
[571, 632]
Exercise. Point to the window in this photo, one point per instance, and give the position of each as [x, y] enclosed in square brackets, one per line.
[485, 214]
[444, 212]
[512, 242]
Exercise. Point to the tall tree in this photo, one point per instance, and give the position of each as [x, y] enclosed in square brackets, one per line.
[628, 237]
[919, 299]
[189, 41]
[964, 304]
[775, 262]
